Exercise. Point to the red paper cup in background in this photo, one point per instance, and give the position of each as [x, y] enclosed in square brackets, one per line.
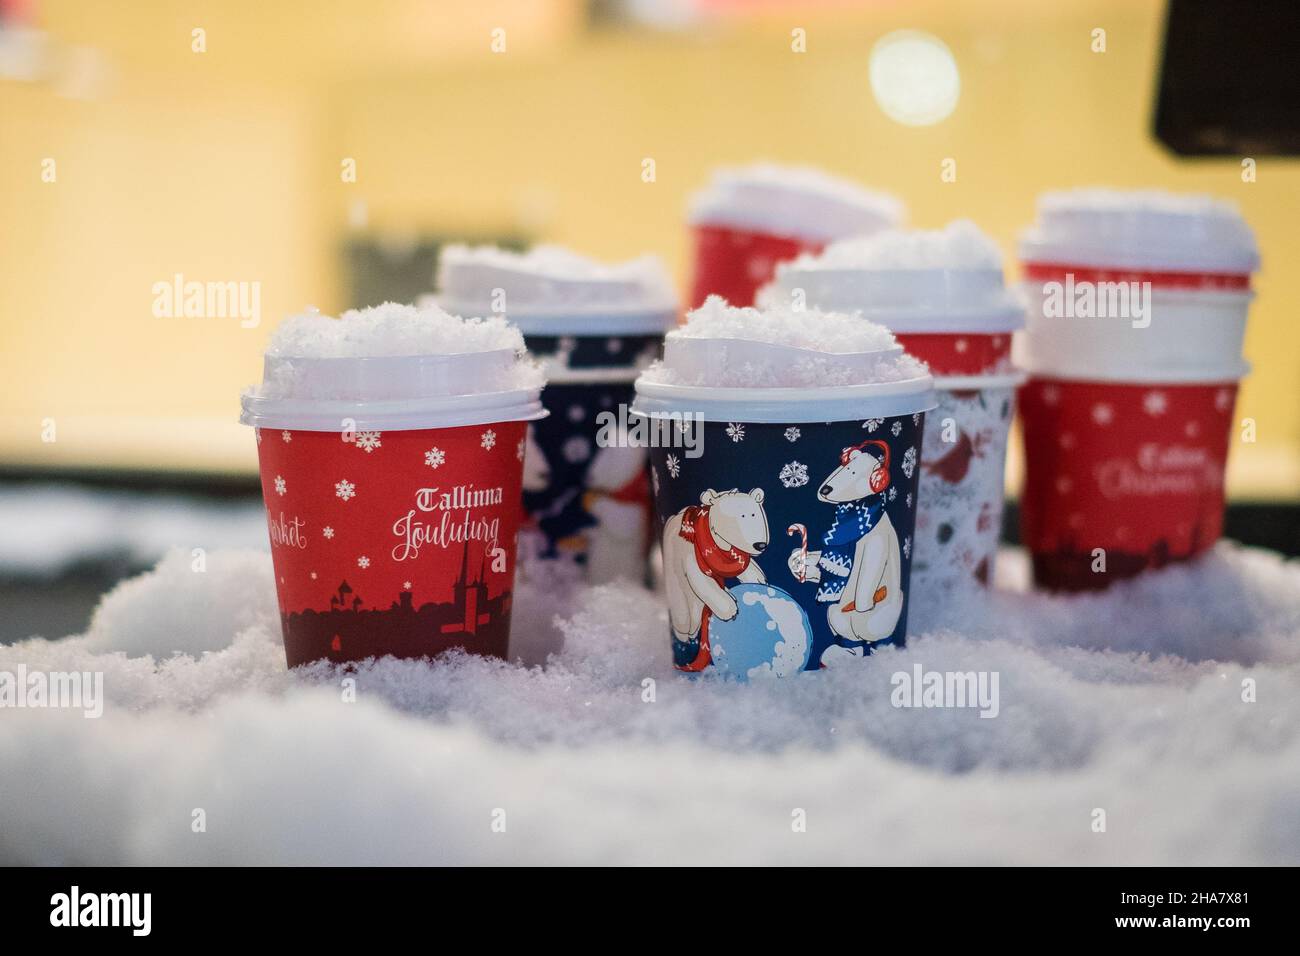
[942, 294]
[1121, 477]
[1138, 306]
[393, 504]
[749, 219]
[734, 263]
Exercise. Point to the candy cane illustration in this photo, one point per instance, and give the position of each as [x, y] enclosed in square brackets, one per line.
[800, 530]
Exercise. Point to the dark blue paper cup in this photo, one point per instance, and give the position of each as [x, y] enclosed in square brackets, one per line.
[786, 521]
[587, 508]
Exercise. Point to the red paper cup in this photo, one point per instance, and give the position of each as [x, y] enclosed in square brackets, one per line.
[1121, 477]
[394, 542]
[735, 263]
[960, 353]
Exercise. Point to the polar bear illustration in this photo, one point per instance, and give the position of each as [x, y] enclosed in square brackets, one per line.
[704, 546]
[858, 566]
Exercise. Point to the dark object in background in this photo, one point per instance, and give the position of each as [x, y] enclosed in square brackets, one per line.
[1229, 83]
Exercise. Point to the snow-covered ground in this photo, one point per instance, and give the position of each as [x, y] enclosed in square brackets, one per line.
[1131, 703]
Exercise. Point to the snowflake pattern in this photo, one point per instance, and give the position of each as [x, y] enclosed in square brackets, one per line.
[916, 418]
[907, 547]
[368, 441]
[435, 457]
[1155, 403]
[286, 436]
[489, 440]
[893, 492]
[794, 475]
[654, 480]
[345, 489]
[1223, 399]
[871, 424]
[257, 432]
[673, 465]
[406, 585]
[735, 431]
[363, 562]
[280, 486]
[519, 449]
[792, 434]
[909, 499]
[576, 450]
[327, 531]
[896, 429]
[1103, 414]
[909, 461]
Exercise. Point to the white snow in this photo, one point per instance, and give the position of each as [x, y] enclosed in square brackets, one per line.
[550, 278]
[798, 201]
[1129, 701]
[390, 330]
[831, 333]
[959, 245]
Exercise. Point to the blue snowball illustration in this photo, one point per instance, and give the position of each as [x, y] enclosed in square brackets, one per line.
[769, 637]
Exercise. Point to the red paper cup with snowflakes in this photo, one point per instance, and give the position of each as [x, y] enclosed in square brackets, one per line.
[734, 263]
[1121, 477]
[396, 542]
[392, 520]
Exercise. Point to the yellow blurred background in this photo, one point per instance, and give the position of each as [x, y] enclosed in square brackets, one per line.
[227, 165]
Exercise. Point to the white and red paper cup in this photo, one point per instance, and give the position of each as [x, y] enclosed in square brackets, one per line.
[393, 502]
[1138, 306]
[749, 219]
[942, 294]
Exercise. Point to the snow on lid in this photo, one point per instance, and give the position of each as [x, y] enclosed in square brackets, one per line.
[798, 201]
[550, 279]
[389, 330]
[1141, 229]
[387, 353]
[807, 348]
[959, 245]
[911, 280]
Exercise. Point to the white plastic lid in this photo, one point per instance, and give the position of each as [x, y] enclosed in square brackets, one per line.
[800, 202]
[786, 405]
[337, 380]
[1140, 229]
[550, 290]
[938, 281]
[699, 357]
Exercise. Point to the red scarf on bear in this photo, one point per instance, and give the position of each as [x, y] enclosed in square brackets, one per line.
[717, 562]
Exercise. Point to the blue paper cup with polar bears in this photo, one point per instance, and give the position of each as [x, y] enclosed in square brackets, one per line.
[785, 518]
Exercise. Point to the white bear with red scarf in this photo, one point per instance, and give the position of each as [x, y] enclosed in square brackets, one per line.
[857, 569]
[705, 546]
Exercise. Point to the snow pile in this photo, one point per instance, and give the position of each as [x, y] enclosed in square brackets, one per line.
[550, 279]
[1131, 702]
[821, 336]
[390, 330]
[385, 353]
[796, 201]
[959, 245]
